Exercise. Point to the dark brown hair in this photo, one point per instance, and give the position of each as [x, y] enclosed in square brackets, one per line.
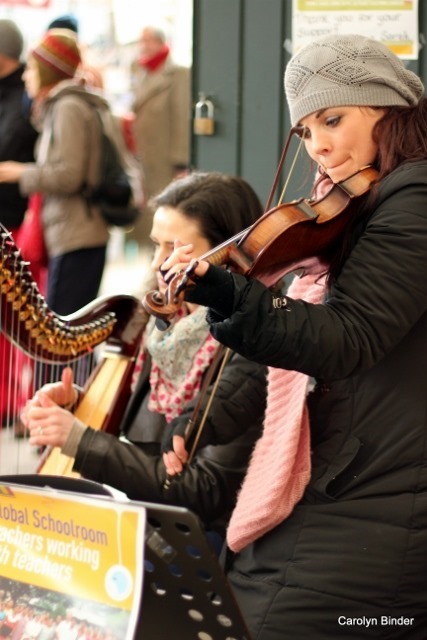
[223, 205]
[401, 135]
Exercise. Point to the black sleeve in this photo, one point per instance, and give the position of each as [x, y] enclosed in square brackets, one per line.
[379, 296]
[209, 484]
[215, 290]
[241, 392]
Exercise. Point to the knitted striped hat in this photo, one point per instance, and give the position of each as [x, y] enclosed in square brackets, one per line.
[347, 70]
[57, 56]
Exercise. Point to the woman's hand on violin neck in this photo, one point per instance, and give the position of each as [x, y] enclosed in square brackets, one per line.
[180, 259]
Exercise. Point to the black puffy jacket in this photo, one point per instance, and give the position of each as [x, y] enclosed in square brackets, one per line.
[351, 560]
[208, 485]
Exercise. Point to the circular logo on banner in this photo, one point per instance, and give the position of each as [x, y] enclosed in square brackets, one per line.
[118, 582]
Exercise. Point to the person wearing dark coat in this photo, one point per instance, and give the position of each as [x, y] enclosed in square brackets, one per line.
[17, 141]
[207, 208]
[341, 551]
[209, 486]
[17, 135]
[74, 232]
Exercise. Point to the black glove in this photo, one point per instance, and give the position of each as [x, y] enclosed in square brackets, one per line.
[180, 427]
[214, 290]
[172, 429]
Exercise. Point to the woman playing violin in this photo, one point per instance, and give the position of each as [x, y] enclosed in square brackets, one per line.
[329, 534]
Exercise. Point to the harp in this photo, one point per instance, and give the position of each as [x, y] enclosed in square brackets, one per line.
[108, 329]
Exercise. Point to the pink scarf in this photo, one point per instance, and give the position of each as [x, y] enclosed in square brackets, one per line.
[280, 466]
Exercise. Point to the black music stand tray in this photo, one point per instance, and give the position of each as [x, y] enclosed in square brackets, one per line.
[186, 594]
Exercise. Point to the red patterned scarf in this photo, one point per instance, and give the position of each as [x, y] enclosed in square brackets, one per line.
[179, 358]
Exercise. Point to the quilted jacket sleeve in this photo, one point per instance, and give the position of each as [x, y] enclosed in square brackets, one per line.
[379, 296]
[209, 484]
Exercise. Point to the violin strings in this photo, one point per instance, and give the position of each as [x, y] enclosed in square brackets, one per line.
[241, 234]
[224, 244]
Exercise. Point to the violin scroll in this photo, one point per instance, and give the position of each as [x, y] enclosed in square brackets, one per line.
[159, 305]
[164, 306]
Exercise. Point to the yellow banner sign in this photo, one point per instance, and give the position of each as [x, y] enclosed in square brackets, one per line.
[90, 550]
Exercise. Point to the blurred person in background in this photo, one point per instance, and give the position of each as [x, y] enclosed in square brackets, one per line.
[68, 159]
[91, 75]
[161, 110]
[68, 163]
[17, 135]
[17, 140]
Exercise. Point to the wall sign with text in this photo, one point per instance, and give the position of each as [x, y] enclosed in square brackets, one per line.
[393, 22]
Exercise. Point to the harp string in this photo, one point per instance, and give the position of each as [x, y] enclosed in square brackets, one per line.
[36, 344]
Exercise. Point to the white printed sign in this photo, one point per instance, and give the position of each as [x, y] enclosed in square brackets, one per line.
[393, 22]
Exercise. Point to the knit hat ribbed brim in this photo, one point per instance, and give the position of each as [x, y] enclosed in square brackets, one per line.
[347, 70]
[57, 56]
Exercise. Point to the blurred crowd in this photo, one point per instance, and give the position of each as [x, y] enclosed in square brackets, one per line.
[50, 155]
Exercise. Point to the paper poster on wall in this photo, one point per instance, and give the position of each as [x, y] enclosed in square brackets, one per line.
[393, 22]
[70, 562]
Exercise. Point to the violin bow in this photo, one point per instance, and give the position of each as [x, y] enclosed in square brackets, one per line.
[280, 168]
[224, 353]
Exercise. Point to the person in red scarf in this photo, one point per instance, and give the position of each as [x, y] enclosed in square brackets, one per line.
[160, 110]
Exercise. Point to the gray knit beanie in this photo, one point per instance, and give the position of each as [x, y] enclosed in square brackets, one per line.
[11, 40]
[347, 70]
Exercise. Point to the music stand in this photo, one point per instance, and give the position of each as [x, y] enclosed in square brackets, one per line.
[186, 593]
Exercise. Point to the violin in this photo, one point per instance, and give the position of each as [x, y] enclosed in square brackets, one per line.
[289, 237]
